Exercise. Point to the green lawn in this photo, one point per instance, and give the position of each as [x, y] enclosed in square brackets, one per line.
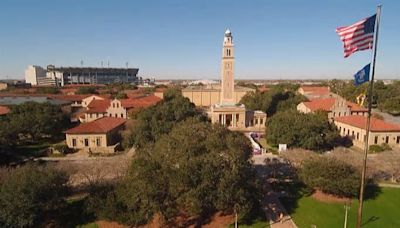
[381, 211]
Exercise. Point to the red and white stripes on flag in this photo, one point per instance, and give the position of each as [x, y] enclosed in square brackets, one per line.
[358, 36]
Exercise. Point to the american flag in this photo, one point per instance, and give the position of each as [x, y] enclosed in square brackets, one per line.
[358, 36]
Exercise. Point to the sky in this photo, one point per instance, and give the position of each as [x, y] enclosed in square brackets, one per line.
[182, 39]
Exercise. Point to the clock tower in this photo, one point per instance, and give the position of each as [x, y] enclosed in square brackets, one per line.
[227, 70]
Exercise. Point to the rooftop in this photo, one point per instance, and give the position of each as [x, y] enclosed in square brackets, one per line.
[4, 110]
[140, 102]
[98, 106]
[326, 104]
[376, 124]
[99, 70]
[316, 89]
[102, 125]
[17, 100]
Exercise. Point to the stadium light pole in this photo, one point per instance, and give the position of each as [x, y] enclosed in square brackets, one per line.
[370, 90]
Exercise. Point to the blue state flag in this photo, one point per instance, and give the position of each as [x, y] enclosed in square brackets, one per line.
[362, 76]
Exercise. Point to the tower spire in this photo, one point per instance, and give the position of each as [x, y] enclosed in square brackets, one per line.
[227, 70]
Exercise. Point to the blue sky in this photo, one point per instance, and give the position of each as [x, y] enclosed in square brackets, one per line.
[183, 39]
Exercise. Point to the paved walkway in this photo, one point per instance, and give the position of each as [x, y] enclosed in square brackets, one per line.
[271, 204]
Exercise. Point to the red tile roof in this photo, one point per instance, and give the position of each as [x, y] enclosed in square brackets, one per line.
[4, 110]
[326, 104]
[102, 125]
[316, 89]
[98, 106]
[77, 97]
[360, 122]
[140, 102]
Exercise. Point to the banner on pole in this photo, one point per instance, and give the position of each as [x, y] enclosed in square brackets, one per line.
[362, 75]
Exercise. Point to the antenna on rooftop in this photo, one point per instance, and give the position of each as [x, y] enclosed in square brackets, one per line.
[101, 64]
[81, 63]
[126, 64]
[108, 63]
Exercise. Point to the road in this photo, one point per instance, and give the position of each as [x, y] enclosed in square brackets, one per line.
[271, 204]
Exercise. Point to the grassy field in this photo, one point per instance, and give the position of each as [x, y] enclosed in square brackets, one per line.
[383, 210]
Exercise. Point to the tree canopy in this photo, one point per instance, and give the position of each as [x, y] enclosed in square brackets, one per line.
[29, 193]
[48, 90]
[197, 169]
[385, 97]
[308, 131]
[278, 98]
[30, 121]
[331, 176]
[159, 119]
[86, 90]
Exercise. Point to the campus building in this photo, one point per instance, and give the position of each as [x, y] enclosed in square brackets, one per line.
[36, 75]
[3, 86]
[98, 107]
[315, 92]
[4, 110]
[228, 112]
[61, 76]
[354, 126]
[99, 136]
[334, 106]
[206, 96]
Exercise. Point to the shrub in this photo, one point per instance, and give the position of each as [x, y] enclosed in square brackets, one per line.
[121, 96]
[86, 90]
[29, 194]
[48, 90]
[62, 148]
[331, 176]
[379, 148]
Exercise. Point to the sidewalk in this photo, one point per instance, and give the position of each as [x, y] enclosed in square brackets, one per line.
[273, 208]
[271, 204]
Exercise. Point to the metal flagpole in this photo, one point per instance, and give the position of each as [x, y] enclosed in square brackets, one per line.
[368, 125]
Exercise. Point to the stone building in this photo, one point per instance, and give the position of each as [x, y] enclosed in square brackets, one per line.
[98, 107]
[206, 96]
[99, 136]
[228, 111]
[381, 132]
[315, 92]
[334, 106]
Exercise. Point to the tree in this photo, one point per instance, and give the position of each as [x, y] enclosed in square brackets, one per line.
[307, 131]
[331, 176]
[121, 95]
[32, 120]
[385, 97]
[86, 90]
[48, 90]
[153, 122]
[278, 99]
[197, 169]
[29, 193]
